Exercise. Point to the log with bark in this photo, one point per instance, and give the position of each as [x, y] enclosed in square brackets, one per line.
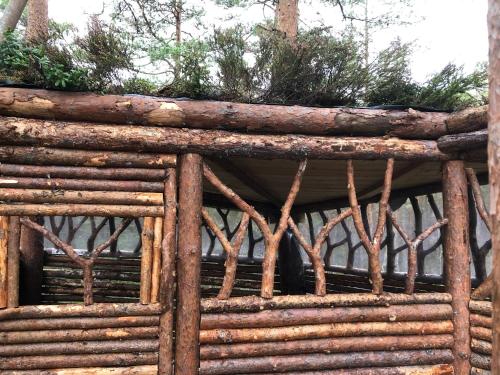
[84, 158]
[80, 210]
[23, 132]
[220, 115]
[468, 120]
[463, 141]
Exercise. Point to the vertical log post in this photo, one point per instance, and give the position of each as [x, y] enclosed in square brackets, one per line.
[147, 238]
[155, 273]
[4, 230]
[494, 169]
[456, 259]
[31, 264]
[187, 352]
[13, 261]
[167, 281]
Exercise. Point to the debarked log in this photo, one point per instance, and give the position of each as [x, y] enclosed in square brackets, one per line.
[128, 370]
[78, 323]
[55, 361]
[80, 197]
[143, 174]
[17, 131]
[79, 210]
[83, 158]
[70, 335]
[67, 311]
[252, 303]
[335, 345]
[481, 333]
[79, 184]
[289, 317]
[219, 336]
[220, 115]
[306, 362]
[87, 347]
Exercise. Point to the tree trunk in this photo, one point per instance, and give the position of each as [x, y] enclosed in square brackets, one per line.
[494, 168]
[11, 15]
[37, 31]
[287, 19]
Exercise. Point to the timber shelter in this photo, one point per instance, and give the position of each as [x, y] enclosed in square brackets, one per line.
[143, 235]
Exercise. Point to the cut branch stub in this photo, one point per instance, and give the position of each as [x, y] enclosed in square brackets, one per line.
[85, 263]
[372, 247]
[232, 250]
[271, 239]
[314, 251]
[412, 245]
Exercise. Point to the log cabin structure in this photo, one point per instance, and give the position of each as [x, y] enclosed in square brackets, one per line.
[144, 235]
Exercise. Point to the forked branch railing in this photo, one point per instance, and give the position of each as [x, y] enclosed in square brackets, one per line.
[486, 288]
[412, 245]
[271, 238]
[85, 263]
[372, 247]
[232, 249]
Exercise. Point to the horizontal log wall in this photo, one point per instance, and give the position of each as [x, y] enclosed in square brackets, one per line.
[332, 333]
[74, 336]
[481, 336]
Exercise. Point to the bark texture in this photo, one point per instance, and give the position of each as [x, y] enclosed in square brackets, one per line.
[11, 15]
[456, 259]
[494, 170]
[16, 131]
[37, 30]
[53, 105]
[187, 353]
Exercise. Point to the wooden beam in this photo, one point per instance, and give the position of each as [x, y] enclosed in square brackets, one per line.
[494, 168]
[468, 120]
[246, 118]
[187, 352]
[83, 158]
[22, 132]
[463, 141]
[456, 259]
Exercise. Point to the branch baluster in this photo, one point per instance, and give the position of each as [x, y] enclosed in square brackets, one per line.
[232, 249]
[271, 239]
[372, 247]
[313, 248]
[412, 245]
[85, 263]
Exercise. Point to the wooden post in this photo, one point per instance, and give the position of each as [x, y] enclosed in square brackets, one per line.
[13, 262]
[187, 352]
[4, 230]
[31, 264]
[494, 169]
[167, 281]
[456, 259]
[147, 259]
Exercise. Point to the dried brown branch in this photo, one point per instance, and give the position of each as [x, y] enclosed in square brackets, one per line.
[85, 264]
[478, 197]
[412, 245]
[372, 247]
[314, 250]
[271, 239]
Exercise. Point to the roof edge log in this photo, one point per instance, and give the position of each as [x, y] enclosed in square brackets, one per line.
[239, 117]
[91, 136]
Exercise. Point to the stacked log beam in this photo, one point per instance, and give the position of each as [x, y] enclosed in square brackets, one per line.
[481, 335]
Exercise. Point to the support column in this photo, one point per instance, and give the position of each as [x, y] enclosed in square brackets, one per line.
[187, 351]
[457, 260]
[494, 169]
